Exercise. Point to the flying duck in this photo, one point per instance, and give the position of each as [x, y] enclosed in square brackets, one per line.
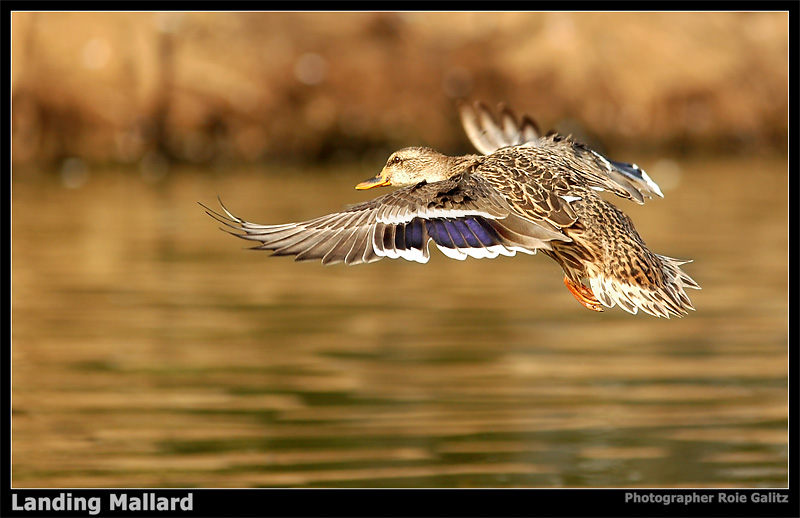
[523, 193]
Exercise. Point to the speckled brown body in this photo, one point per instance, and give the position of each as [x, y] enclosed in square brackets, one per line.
[542, 183]
[555, 183]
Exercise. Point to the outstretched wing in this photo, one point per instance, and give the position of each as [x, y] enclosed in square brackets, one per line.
[463, 218]
[489, 133]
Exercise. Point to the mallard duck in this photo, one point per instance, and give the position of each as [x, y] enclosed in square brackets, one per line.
[523, 193]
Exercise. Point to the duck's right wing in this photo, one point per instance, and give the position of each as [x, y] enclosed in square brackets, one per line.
[489, 132]
[465, 218]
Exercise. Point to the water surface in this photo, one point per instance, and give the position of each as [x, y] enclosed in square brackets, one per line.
[150, 350]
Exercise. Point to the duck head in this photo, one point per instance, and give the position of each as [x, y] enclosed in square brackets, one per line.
[411, 165]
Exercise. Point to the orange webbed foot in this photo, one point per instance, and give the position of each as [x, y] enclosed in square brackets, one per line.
[583, 295]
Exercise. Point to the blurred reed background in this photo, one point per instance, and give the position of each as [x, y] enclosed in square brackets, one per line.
[209, 87]
[149, 350]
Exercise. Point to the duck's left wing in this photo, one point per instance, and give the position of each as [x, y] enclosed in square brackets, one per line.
[463, 218]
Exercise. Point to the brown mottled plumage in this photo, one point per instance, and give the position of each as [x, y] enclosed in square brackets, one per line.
[525, 193]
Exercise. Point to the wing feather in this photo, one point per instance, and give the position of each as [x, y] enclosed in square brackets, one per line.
[488, 134]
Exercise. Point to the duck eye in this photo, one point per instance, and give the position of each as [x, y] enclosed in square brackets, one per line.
[396, 159]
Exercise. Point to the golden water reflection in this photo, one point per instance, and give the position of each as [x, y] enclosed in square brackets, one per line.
[150, 350]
